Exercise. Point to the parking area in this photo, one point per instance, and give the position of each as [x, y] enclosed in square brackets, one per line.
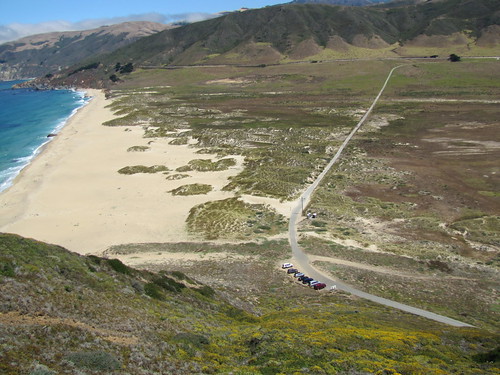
[302, 278]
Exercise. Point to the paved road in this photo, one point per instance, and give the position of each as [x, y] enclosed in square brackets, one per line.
[302, 261]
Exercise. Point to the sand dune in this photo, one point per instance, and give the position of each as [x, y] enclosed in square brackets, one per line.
[73, 196]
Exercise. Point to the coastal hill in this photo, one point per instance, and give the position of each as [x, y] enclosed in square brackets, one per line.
[65, 313]
[37, 55]
[294, 32]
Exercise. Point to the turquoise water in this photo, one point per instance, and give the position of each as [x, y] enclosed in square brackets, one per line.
[26, 118]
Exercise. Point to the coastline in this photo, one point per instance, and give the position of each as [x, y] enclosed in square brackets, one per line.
[72, 195]
[21, 154]
[14, 199]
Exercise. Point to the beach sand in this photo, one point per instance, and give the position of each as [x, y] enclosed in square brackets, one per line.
[72, 195]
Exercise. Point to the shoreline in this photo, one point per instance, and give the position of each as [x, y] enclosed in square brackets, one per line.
[13, 172]
[20, 186]
[72, 195]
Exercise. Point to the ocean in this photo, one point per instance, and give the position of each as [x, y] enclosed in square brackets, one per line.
[27, 117]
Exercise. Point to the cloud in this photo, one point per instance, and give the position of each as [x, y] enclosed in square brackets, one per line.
[191, 17]
[16, 31]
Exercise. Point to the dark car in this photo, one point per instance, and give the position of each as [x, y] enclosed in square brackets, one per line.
[292, 270]
[302, 277]
[306, 280]
[319, 286]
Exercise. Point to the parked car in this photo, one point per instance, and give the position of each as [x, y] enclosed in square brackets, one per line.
[307, 280]
[286, 265]
[314, 282]
[302, 277]
[319, 286]
[292, 270]
[298, 274]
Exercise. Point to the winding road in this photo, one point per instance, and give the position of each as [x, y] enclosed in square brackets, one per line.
[301, 259]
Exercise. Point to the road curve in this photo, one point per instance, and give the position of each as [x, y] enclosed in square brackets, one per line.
[301, 259]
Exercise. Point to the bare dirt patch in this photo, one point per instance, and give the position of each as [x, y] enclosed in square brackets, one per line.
[229, 81]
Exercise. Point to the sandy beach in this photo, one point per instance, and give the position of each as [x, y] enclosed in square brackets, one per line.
[72, 194]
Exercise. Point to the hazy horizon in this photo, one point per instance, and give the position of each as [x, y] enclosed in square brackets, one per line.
[32, 17]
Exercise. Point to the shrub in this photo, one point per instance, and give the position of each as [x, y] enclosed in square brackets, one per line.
[138, 148]
[95, 259]
[118, 266]
[439, 265]
[85, 67]
[192, 189]
[168, 284]
[128, 68]
[152, 290]
[206, 291]
[318, 223]
[240, 315]
[179, 275]
[179, 141]
[177, 176]
[207, 165]
[143, 169]
[41, 370]
[196, 340]
[7, 269]
[491, 356]
[97, 360]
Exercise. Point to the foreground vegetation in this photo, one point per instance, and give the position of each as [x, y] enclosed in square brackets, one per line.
[118, 320]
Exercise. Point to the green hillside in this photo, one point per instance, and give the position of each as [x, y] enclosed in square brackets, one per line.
[40, 54]
[294, 32]
[67, 314]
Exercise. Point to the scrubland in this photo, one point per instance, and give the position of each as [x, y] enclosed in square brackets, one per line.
[418, 182]
[409, 213]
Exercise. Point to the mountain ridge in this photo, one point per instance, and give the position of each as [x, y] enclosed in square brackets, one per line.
[291, 32]
[39, 54]
[269, 35]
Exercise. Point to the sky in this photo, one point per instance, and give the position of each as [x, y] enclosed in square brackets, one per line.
[20, 18]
